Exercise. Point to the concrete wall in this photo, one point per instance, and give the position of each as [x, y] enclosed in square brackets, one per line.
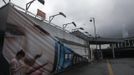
[58, 32]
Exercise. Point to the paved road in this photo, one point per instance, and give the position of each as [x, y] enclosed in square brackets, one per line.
[106, 67]
[122, 66]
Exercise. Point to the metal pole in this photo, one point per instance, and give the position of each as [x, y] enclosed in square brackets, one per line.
[28, 5]
[4, 1]
[52, 17]
[113, 51]
[63, 30]
[94, 27]
[125, 43]
[100, 51]
[94, 30]
[132, 43]
[64, 26]
[129, 43]
[89, 52]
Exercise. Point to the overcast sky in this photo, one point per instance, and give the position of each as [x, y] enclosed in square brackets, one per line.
[113, 17]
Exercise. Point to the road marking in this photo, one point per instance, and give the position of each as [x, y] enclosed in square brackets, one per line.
[110, 70]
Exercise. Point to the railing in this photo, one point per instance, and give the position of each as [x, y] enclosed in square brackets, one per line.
[33, 15]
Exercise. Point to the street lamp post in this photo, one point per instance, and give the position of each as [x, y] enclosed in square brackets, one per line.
[5, 1]
[93, 20]
[89, 35]
[78, 29]
[65, 25]
[95, 35]
[88, 45]
[52, 17]
[29, 4]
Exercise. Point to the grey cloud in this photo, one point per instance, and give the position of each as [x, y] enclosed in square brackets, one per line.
[110, 15]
